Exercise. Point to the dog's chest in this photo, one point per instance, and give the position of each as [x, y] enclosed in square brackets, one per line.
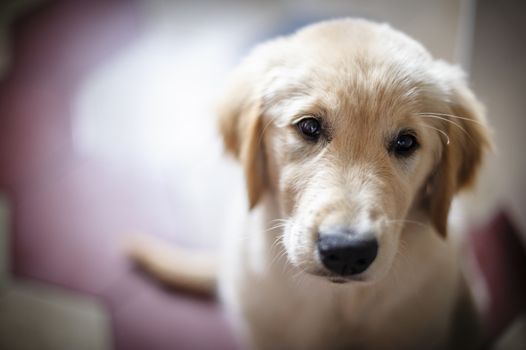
[303, 315]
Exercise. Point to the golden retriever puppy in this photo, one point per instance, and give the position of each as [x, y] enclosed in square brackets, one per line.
[354, 141]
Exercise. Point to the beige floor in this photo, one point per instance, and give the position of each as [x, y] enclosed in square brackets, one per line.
[34, 316]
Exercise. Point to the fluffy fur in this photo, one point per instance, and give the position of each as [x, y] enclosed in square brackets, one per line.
[365, 82]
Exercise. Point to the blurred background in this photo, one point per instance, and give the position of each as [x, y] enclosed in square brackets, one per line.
[107, 128]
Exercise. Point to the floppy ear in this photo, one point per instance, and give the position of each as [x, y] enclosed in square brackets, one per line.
[240, 124]
[461, 157]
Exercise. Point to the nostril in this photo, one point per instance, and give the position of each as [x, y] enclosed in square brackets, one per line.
[346, 254]
[361, 262]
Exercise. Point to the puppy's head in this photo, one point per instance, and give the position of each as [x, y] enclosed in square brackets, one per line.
[351, 126]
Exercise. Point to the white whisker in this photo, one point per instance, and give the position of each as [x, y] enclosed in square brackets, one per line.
[444, 119]
[272, 228]
[440, 131]
[451, 116]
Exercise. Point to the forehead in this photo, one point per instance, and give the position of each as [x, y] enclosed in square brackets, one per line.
[363, 89]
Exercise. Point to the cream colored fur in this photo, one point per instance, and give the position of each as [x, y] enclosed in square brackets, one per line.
[366, 82]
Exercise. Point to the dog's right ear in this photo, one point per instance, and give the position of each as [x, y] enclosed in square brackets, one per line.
[240, 124]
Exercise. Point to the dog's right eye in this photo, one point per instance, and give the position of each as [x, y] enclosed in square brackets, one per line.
[310, 128]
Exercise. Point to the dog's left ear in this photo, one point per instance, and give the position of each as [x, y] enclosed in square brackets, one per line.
[461, 157]
[240, 124]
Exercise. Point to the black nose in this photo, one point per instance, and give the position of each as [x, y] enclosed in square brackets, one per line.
[345, 254]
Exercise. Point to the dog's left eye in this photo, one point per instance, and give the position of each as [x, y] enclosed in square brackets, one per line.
[310, 128]
[404, 144]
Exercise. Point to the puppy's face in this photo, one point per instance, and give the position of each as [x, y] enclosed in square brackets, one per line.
[347, 159]
[351, 126]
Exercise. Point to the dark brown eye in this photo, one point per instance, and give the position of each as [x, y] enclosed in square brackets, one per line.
[404, 144]
[310, 128]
